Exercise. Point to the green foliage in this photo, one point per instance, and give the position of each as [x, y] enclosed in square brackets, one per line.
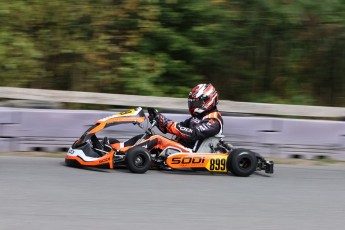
[288, 51]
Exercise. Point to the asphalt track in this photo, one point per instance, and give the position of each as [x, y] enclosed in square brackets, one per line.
[42, 193]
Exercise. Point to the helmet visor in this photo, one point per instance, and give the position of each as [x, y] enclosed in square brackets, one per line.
[195, 102]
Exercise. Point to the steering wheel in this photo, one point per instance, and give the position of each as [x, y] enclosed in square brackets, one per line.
[152, 114]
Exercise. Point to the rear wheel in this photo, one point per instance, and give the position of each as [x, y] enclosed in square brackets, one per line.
[242, 162]
[138, 159]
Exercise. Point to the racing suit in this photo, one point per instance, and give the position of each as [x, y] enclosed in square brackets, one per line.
[190, 133]
[195, 129]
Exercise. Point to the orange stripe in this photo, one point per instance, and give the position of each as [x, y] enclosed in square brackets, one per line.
[102, 124]
[162, 144]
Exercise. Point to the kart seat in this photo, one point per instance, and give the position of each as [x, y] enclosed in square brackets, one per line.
[208, 144]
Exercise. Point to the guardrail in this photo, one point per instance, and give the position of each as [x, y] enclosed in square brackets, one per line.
[54, 130]
[168, 103]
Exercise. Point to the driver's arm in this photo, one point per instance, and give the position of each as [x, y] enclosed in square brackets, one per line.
[206, 128]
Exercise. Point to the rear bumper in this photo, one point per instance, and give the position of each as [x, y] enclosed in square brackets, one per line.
[263, 164]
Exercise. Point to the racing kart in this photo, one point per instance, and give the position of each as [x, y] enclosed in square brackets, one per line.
[213, 155]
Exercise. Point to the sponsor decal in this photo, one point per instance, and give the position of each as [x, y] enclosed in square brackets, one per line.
[213, 163]
[188, 130]
[203, 127]
[125, 113]
[129, 112]
[217, 164]
[192, 161]
[106, 160]
[196, 120]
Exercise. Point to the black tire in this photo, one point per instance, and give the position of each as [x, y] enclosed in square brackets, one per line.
[242, 162]
[72, 163]
[138, 159]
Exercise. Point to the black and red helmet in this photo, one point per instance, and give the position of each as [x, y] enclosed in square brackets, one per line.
[202, 98]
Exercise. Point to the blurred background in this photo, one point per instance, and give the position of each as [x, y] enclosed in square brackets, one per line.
[277, 51]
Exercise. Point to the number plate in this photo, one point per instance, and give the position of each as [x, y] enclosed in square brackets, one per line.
[126, 113]
[217, 164]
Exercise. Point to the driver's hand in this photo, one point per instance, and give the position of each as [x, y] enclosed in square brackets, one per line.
[152, 113]
[151, 118]
[162, 122]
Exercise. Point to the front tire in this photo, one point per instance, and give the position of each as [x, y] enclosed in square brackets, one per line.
[72, 163]
[138, 159]
[242, 162]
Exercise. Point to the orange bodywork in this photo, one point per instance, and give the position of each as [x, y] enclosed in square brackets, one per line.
[104, 160]
[162, 143]
[74, 154]
[101, 124]
[210, 161]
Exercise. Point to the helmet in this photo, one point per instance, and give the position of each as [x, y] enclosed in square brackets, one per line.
[202, 98]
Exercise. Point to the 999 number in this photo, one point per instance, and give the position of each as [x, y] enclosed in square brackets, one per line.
[217, 164]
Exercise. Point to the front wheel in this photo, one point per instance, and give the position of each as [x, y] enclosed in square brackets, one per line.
[242, 162]
[138, 159]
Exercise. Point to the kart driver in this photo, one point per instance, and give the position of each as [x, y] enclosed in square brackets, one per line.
[205, 121]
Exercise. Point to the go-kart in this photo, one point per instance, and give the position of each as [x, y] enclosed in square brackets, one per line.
[213, 155]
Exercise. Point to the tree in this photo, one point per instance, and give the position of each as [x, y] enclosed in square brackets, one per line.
[289, 51]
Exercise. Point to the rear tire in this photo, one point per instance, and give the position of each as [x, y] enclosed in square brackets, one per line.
[242, 162]
[138, 159]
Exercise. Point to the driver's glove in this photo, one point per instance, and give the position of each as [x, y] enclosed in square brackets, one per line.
[151, 117]
[152, 113]
[162, 122]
